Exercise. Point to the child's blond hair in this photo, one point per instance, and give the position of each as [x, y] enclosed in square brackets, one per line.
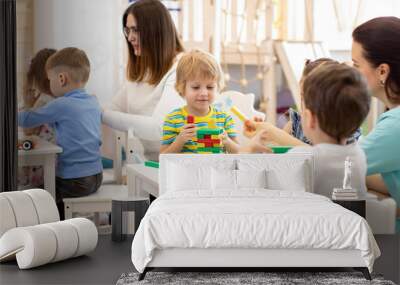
[72, 60]
[197, 64]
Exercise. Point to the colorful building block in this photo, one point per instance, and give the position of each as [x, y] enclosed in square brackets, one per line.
[190, 119]
[214, 141]
[280, 148]
[207, 131]
[239, 114]
[210, 149]
[151, 163]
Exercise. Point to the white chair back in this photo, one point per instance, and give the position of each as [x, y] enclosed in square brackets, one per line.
[244, 102]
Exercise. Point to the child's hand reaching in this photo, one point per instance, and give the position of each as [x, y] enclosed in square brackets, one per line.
[188, 132]
[257, 144]
[251, 127]
[224, 137]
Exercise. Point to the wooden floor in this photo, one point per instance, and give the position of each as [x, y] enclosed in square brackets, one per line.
[111, 259]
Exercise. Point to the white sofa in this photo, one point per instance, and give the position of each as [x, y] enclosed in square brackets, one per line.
[31, 233]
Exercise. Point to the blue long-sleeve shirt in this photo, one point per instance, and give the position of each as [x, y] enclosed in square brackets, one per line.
[76, 119]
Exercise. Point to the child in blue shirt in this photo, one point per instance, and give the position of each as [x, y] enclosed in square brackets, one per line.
[76, 118]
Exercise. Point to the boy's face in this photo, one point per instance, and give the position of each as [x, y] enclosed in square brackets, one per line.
[57, 82]
[200, 94]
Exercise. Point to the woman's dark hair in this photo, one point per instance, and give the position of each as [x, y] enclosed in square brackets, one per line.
[380, 41]
[338, 95]
[159, 42]
[36, 75]
[37, 72]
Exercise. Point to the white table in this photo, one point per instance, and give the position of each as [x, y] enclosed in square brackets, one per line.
[142, 180]
[43, 154]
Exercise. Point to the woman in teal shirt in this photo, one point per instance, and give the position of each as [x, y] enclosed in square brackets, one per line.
[376, 54]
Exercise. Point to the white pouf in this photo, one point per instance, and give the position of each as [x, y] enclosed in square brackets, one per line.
[31, 232]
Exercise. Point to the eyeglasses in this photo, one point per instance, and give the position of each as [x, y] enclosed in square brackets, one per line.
[128, 30]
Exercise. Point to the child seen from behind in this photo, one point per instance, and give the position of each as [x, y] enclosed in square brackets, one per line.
[335, 102]
[293, 127]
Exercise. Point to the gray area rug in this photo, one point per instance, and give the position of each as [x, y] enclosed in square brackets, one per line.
[228, 278]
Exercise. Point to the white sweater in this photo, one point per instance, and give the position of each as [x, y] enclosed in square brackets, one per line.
[142, 108]
[329, 166]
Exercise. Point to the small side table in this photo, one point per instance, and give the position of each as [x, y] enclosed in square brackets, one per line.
[121, 205]
[357, 206]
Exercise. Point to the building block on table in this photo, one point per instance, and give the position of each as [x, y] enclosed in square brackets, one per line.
[151, 163]
[279, 148]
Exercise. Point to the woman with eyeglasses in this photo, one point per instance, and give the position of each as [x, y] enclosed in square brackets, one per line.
[376, 54]
[148, 93]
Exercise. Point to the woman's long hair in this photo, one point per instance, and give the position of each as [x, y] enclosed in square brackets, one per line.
[36, 76]
[158, 40]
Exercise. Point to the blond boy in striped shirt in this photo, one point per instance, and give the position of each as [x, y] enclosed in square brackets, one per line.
[198, 80]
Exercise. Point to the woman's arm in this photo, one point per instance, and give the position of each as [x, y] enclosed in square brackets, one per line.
[144, 127]
[256, 144]
[231, 144]
[271, 133]
[375, 183]
[288, 127]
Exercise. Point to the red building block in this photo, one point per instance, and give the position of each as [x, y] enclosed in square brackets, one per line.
[190, 119]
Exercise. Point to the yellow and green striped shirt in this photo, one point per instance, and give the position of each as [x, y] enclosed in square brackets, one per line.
[175, 121]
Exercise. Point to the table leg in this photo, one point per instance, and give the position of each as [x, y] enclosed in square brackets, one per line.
[116, 220]
[140, 208]
[49, 174]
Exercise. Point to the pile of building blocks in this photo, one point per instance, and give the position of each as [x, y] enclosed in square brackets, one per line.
[208, 139]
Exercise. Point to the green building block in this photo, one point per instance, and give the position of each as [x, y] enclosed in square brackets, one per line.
[211, 149]
[207, 131]
[151, 163]
[280, 148]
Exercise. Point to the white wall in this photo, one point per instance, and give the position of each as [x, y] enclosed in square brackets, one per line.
[91, 25]
[24, 42]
